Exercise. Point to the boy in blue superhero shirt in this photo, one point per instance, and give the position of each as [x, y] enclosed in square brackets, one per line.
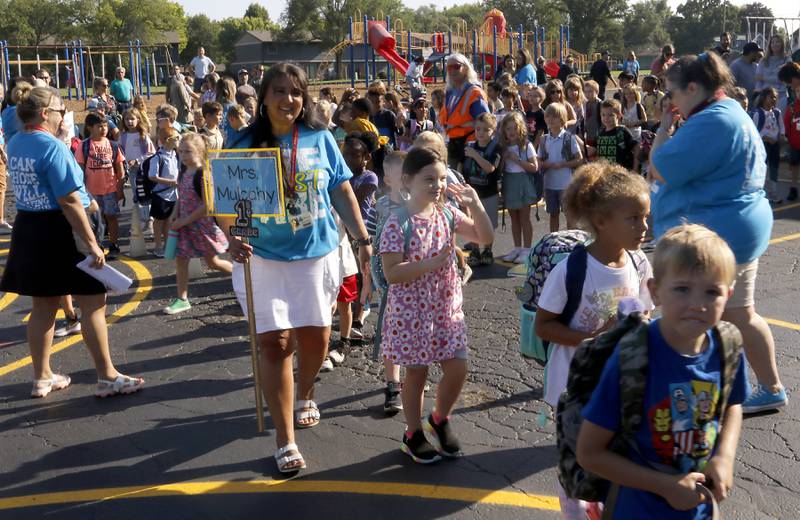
[693, 270]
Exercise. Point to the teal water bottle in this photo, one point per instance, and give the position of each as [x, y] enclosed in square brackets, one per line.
[172, 245]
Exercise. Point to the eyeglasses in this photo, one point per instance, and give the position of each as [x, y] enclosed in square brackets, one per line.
[162, 118]
[61, 110]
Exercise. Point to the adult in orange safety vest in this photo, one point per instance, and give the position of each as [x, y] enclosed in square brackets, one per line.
[464, 101]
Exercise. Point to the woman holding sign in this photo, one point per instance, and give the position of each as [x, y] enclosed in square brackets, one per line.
[294, 260]
[50, 198]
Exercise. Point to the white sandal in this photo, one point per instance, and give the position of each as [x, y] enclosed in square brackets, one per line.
[304, 411]
[42, 387]
[283, 460]
[120, 385]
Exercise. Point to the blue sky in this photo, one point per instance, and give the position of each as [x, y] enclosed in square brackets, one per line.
[216, 10]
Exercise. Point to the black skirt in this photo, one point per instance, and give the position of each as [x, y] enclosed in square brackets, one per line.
[43, 257]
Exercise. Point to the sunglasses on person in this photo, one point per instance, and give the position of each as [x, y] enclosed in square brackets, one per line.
[61, 110]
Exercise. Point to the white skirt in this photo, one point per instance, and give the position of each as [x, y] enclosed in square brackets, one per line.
[288, 295]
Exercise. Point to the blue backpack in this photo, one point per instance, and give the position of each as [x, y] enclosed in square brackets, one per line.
[762, 117]
[383, 211]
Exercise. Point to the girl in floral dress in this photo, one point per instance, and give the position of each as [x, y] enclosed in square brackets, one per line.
[424, 321]
[198, 235]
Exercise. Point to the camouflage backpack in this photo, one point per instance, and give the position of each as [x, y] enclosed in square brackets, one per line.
[584, 375]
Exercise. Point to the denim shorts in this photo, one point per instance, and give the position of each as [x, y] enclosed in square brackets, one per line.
[554, 200]
[108, 204]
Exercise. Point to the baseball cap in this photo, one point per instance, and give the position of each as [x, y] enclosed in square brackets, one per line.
[751, 47]
[244, 71]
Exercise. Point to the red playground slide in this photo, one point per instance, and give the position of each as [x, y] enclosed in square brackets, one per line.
[384, 44]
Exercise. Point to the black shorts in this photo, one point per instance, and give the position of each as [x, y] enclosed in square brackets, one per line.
[455, 151]
[43, 256]
[160, 209]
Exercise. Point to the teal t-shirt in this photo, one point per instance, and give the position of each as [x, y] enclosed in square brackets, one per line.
[122, 90]
[42, 170]
[714, 169]
[320, 169]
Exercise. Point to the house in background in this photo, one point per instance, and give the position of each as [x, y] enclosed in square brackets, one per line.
[268, 48]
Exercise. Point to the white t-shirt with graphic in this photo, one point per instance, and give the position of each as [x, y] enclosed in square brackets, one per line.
[603, 287]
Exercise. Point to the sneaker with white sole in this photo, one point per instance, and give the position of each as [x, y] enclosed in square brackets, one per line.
[522, 256]
[71, 326]
[511, 255]
[327, 365]
[177, 305]
[762, 400]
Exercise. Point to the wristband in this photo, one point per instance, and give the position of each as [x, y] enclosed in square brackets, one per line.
[363, 241]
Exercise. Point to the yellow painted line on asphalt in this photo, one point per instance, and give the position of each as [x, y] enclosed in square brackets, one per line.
[4, 240]
[144, 287]
[788, 206]
[59, 316]
[3, 251]
[425, 491]
[7, 299]
[786, 238]
[781, 323]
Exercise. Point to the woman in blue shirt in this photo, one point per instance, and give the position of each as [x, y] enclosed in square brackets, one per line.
[723, 191]
[526, 72]
[50, 199]
[294, 260]
[631, 66]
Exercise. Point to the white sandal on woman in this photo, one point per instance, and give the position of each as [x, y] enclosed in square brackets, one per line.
[304, 411]
[283, 459]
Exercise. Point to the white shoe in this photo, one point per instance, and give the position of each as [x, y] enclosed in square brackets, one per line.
[327, 365]
[511, 255]
[365, 312]
[335, 356]
[70, 327]
[522, 256]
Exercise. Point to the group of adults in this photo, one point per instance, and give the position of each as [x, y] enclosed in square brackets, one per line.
[184, 93]
[297, 265]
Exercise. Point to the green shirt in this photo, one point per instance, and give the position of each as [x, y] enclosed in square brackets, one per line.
[122, 90]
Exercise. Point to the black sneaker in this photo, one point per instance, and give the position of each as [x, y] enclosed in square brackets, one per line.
[419, 449]
[474, 258]
[442, 437]
[487, 257]
[338, 352]
[113, 252]
[792, 194]
[392, 404]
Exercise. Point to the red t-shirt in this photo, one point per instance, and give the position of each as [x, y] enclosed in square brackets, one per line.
[791, 121]
[100, 179]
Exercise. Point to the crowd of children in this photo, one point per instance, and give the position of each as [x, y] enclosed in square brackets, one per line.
[559, 143]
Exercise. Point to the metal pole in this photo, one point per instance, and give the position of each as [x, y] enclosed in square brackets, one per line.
[131, 68]
[38, 62]
[3, 65]
[58, 80]
[84, 89]
[566, 28]
[19, 65]
[102, 64]
[374, 62]
[475, 51]
[410, 54]
[67, 76]
[352, 56]
[147, 68]
[494, 51]
[535, 42]
[139, 64]
[543, 40]
[155, 76]
[366, 53]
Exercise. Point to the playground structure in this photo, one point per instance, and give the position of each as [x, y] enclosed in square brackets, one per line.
[484, 45]
[761, 28]
[77, 60]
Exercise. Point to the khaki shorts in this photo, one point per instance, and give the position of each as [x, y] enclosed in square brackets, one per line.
[3, 175]
[745, 286]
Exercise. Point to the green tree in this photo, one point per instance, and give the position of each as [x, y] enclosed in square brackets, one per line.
[115, 22]
[589, 18]
[201, 31]
[698, 22]
[301, 16]
[753, 9]
[645, 24]
[257, 11]
[35, 20]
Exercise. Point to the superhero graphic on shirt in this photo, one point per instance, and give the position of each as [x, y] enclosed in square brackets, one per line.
[683, 425]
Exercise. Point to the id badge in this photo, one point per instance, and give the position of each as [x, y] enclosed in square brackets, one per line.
[298, 215]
